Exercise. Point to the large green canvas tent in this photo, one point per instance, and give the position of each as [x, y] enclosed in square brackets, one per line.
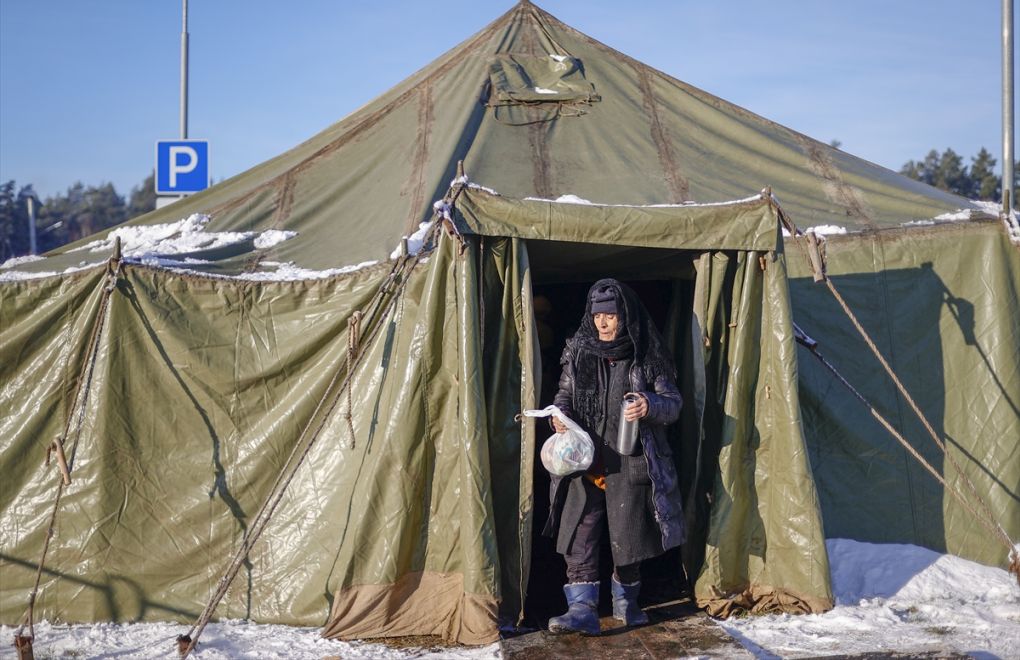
[181, 389]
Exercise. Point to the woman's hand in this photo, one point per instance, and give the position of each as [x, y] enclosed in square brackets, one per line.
[558, 426]
[636, 410]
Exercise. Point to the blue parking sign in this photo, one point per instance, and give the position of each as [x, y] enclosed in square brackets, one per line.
[182, 166]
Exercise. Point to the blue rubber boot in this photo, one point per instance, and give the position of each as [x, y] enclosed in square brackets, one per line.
[582, 610]
[625, 607]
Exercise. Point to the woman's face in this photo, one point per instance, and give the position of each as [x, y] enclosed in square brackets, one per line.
[606, 326]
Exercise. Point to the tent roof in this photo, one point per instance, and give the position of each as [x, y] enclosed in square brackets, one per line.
[635, 136]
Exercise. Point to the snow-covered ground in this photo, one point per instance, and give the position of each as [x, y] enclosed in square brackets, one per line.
[231, 640]
[898, 598]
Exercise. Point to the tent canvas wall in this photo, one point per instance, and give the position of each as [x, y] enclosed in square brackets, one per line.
[245, 363]
[942, 305]
[195, 389]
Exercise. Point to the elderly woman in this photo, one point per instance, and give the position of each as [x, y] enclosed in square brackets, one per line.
[617, 350]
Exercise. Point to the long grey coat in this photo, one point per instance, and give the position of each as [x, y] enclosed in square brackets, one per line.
[651, 474]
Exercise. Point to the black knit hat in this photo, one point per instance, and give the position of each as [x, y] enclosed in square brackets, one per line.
[603, 300]
[633, 325]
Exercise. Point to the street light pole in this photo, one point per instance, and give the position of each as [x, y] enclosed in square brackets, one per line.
[30, 202]
[184, 73]
[1008, 199]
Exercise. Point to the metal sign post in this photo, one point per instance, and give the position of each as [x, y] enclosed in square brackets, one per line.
[1008, 194]
[182, 166]
[32, 246]
[184, 72]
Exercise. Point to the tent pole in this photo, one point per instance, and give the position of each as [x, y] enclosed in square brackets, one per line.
[1008, 194]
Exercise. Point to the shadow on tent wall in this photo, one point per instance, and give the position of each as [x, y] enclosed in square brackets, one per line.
[870, 488]
[117, 598]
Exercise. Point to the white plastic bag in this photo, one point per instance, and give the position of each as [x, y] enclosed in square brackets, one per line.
[567, 452]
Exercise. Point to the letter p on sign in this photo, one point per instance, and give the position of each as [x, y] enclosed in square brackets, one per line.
[183, 159]
[182, 166]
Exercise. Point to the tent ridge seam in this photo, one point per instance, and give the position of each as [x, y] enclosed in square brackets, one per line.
[675, 181]
[421, 155]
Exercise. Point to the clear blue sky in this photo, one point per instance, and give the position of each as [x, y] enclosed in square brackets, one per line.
[87, 87]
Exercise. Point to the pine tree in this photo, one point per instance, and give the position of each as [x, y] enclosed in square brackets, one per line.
[950, 174]
[14, 230]
[947, 172]
[912, 169]
[984, 184]
[1016, 184]
[10, 236]
[143, 197]
[930, 166]
[80, 212]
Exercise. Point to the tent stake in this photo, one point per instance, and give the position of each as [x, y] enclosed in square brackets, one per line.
[23, 643]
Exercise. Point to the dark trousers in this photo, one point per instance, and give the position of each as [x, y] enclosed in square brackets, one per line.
[583, 555]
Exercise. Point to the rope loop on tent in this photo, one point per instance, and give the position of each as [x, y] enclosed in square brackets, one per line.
[23, 643]
[353, 332]
[983, 512]
[381, 302]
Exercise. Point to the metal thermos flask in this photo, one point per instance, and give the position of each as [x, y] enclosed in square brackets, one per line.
[626, 438]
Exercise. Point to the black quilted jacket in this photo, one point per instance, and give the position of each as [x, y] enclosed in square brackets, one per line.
[664, 403]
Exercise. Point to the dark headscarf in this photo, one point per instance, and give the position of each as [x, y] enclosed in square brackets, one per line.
[636, 334]
[636, 339]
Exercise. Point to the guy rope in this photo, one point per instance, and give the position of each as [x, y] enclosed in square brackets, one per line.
[383, 300]
[23, 643]
[979, 508]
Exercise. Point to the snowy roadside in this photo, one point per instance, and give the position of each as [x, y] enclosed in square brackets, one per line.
[898, 598]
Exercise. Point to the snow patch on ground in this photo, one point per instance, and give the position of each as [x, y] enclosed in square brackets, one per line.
[889, 598]
[229, 640]
[899, 598]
